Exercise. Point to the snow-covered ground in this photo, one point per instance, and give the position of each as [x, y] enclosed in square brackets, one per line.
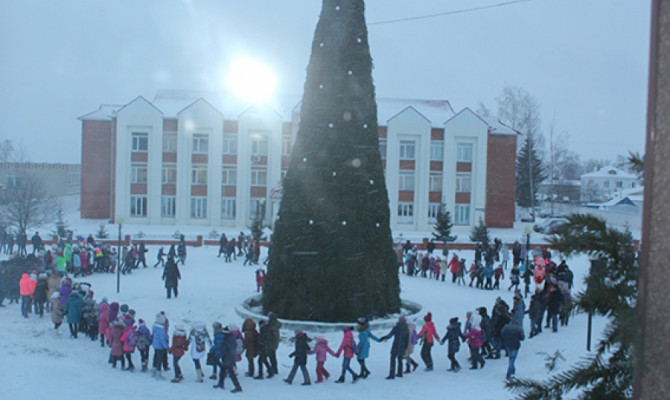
[38, 361]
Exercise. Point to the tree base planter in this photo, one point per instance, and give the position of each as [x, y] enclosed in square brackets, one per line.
[251, 308]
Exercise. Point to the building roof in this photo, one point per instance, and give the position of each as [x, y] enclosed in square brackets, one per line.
[172, 102]
[609, 172]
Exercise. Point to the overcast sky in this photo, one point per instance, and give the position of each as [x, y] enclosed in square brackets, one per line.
[585, 61]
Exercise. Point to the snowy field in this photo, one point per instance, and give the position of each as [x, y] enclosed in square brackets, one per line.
[39, 361]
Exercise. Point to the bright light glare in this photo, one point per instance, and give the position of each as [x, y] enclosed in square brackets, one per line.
[251, 80]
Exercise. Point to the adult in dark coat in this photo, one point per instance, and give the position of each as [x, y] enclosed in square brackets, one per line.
[227, 351]
[40, 294]
[37, 242]
[400, 334]
[487, 332]
[554, 303]
[454, 335]
[264, 337]
[516, 253]
[171, 276]
[499, 317]
[512, 335]
[273, 340]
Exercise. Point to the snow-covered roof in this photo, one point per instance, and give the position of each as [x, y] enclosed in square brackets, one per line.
[104, 113]
[609, 171]
[172, 102]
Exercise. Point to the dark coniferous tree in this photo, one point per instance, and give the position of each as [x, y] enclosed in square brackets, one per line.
[443, 225]
[480, 233]
[529, 174]
[332, 254]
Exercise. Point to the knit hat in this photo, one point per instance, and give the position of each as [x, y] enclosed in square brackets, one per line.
[428, 317]
[141, 321]
[226, 329]
[198, 324]
[55, 295]
[217, 326]
[160, 319]
[453, 320]
[362, 320]
[131, 312]
[180, 327]
[402, 319]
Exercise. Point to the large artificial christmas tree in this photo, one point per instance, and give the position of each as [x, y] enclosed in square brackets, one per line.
[332, 257]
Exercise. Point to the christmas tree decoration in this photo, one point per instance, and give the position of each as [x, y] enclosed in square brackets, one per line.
[340, 265]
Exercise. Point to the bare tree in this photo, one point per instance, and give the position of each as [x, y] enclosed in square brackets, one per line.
[27, 205]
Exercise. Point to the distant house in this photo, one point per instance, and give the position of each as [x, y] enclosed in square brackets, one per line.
[560, 190]
[205, 158]
[606, 183]
[56, 179]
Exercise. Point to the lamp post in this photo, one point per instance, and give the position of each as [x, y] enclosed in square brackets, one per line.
[528, 230]
[119, 220]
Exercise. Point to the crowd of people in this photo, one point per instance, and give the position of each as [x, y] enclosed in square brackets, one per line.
[46, 287]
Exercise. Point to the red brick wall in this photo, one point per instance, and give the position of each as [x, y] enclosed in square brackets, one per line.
[96, 169]
[500, 181]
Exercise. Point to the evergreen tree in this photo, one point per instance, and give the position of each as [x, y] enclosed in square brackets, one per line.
[480, 233]
[611, 291]
[256, 228]
[443, 225]
[529, 174]
[332, 255]
[102, 232]
[61, 225]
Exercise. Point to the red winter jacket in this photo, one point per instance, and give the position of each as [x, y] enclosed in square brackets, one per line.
[428, 332]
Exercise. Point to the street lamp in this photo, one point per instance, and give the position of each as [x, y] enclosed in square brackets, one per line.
[119, 220]
[528, 230]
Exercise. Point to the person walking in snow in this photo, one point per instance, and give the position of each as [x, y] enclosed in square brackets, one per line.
[273, 340]
[348, 348]
[26, 289]
[299, 355]
[321, 349]
[364, 336]
[171, 276]
[178, 348]
[512, 335]
[428, 335]
[129, 339]
[159, 258]
[227, 351]
[264, 337]
[198, 340]
[474, 338]
[116, 344]
[400, 335]
[250, 344]
[181, 250]
[453, 337]
[410, 364]
[73, 312]
[56, 310]
[160, 345]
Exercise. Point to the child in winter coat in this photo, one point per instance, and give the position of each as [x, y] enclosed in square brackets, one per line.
[364, 336]
[103, 323]
[116, 344]
[453, 337]
[263, 349]
[178, 348]
[410, 364]
[260, 279]
[250, 343]
[56, 310]
[129, 339]
[428, 334]
[160, 345]
[198, 340]
[498, 274]
[474, 337]
[299, 355]
[143, 343]
[348, 346]
[321, 349]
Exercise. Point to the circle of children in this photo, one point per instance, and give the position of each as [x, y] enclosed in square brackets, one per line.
[116, 326]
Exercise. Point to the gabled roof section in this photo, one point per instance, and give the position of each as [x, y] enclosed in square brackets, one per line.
[409, 108]
[609, 171]
[104, 113]
[139, 99]
[435, 111]
[200, 100]
[261, 107]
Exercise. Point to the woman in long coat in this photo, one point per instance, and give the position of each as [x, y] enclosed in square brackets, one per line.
[171, 277]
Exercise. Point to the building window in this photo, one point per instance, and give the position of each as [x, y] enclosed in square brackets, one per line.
[464, 152]
[259, 145]
[606, 184]
[382, 148]
[140, 142]
[282, 174]
[435, 182]
[407, 150]
[229, 144]
[256, 207]
[406, 180]
[169, 142]
[405, 213]
[73, 179]
[433, 209]
[198, 207]
[228, 208]
[436, 150]
[286, 146]
[463, 182]
[13, 181]
[138, 206]
[228, 176]
[619, 184]
[199, 175]
[169, 174]
[462, 214]
[168, 206]
[259, 177]
[138, 173]
[200, 143]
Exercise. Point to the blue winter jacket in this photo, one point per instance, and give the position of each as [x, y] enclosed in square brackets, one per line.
[218, 339]
[160, 338]
[364, 337]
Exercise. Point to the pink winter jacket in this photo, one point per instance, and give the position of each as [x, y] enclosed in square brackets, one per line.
[474, 337]
[115, 333]
[124, 338]
[103, 324]
[347, 345]
[321, 349]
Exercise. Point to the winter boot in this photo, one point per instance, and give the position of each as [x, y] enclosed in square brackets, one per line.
[213, 376]
[340, 380]
[199, 375]
[407, 371]
[176, 379]
[236, 390]
[159, 376]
